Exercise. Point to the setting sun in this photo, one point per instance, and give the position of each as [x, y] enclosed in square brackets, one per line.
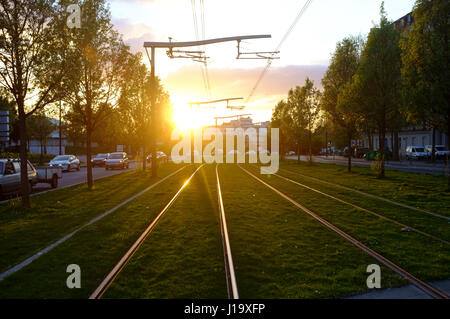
[185, 118]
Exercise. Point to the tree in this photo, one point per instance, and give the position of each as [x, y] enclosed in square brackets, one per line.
[40, 127]
[377, 82]
[100, 56]
[304, 105]
[336, 100]
[31, 64]
[135, 106]
[426, 65]
[281, 119]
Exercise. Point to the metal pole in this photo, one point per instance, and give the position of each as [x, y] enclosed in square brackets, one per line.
[60, 128]
[154, 114]
[326, 139]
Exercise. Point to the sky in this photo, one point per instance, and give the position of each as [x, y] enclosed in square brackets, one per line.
[305, 53]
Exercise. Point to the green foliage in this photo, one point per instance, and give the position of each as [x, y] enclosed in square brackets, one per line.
[339, 101]
[377, 83]
[135, 106]
[426, 65]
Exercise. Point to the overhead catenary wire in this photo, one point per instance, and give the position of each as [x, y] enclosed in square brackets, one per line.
[208, 83]
[204, 69]
[269, 62]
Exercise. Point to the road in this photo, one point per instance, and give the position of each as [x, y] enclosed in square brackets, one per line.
[405, 166]
[78, 177]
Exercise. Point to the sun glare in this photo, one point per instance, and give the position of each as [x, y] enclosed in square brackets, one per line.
[185, 118]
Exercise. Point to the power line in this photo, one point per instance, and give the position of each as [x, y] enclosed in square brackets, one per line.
[202, 11]
[269, 62]
[204, 69]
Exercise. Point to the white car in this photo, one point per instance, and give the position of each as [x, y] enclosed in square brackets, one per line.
[66, 162]
[117, 160]
[416, 153]
[440, 151]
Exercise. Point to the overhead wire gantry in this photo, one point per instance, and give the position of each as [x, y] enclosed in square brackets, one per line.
[194, 55]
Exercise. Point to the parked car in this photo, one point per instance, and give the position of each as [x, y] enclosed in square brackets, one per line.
[10, 182]
[10, 179]
[66, 162]
[160, 156]
[99, 159]
[416, 153]
[117, 160]
[440, 151]
[292, 153]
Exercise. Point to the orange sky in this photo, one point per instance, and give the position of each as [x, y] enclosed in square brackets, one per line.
[305, 53]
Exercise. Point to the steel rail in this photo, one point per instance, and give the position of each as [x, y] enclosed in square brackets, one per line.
[363, 209]
[228, 258]
[425, 287]
[369, 195]
[112, 275]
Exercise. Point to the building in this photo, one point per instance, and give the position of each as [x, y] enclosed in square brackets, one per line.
[409, 136]
[404, 23]
[52, 144]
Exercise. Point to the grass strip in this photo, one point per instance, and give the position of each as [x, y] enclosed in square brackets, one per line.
[183, 256]
[96, 249]
[423, 191]
[24, 232]
[423, 257]
[279, 252]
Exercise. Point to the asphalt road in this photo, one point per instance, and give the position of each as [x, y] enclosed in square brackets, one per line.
[78, 177]
[405, 166]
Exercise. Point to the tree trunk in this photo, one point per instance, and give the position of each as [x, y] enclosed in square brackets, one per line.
[90, 179]
[41, 157]
[370, 135]
[382, 138]
[23, 157]
[349, 163]
[310, 146]
[433, 145]
[448, 147]
[298, 151]
[144, 159]
[395, 147]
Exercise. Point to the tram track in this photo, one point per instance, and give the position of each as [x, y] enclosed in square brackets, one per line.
[423, 286]
[228, 258]
[368, 195]
[363, 209]
[112, 275]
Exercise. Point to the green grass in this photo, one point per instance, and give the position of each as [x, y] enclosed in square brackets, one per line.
[96, 248]
[24, 232]
[280, 252]
[182, 257]
[423, 257]
[419, 190]
[424, 222]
